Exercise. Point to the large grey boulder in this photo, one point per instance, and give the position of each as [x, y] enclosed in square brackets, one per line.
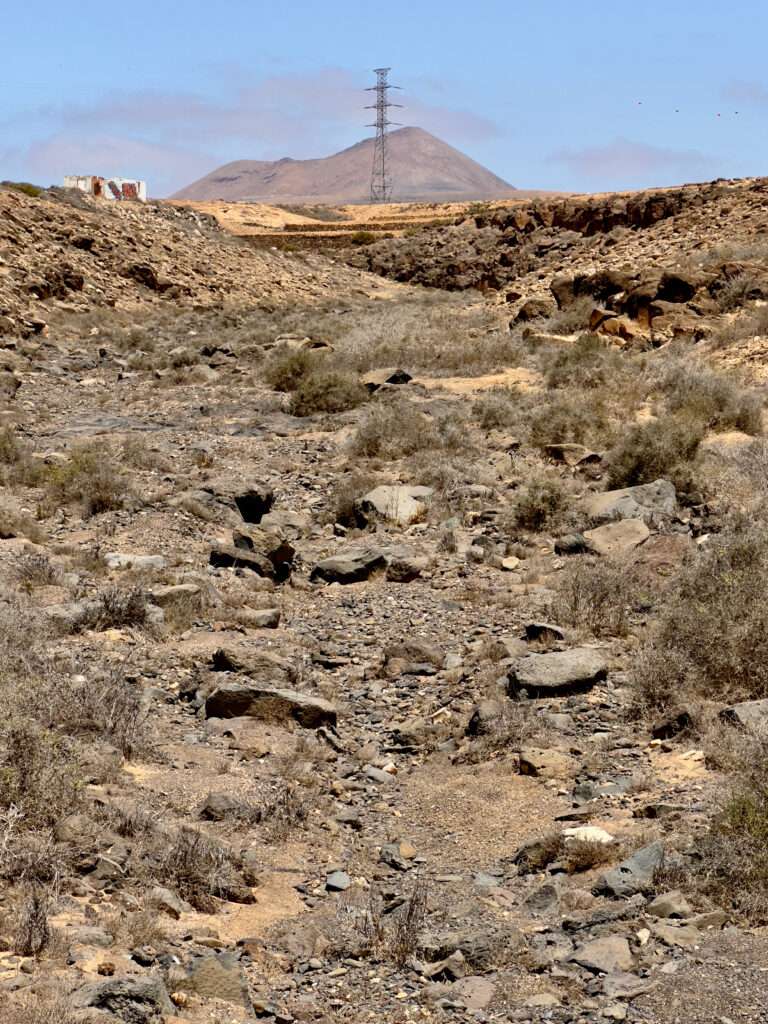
[398, 503]
[635, 874]
[646, 501]
[557, 673]
[604, 956]
[617, 538]
[134, 1000]
[351, 566]
[217, 976]
[239, 699]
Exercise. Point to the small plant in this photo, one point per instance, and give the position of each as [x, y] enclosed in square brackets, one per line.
[91, 477]
[33, 932]
[409, 923]
[587, 363]
[596, 594]
[584, 855]
[711, 639]
[326, 391]
[539, 503]
[738, 291]
[719, 402]
[654, 450]
[34, 569]
[569, 417]
[198, 868]
[285, 369]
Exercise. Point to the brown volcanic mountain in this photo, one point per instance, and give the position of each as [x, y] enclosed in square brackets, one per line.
[423, 169]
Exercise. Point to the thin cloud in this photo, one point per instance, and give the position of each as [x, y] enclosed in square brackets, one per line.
[747, 93]
[624, 160]
[166, 168]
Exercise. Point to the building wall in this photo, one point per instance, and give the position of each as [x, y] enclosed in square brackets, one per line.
[117, 189]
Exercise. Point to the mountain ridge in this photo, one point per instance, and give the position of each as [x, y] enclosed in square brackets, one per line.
[423, 169]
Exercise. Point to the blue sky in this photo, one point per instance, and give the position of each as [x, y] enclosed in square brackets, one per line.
[583, 97]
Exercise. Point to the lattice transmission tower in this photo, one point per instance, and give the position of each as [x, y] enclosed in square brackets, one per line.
[381, 183]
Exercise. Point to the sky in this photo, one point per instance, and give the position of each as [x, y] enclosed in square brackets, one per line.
[574, 97]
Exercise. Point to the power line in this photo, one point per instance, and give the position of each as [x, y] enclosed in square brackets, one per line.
[381, 183]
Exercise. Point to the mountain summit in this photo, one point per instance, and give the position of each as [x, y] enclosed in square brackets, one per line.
[423, 169]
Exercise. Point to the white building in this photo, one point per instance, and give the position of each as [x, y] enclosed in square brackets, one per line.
[118, 189]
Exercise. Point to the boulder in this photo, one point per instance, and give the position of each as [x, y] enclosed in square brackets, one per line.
[633, 875]
[387, 375]
[646, 502]
[135, 1000]
[351, 566]
[119, 560]
[270, 545]
[400, 504]
[404, 568]
[670, 904]
[257, 664]
[254, 502]
[217, 976]
[238, 699]
[557, 673]
[617, 538]
[749, 714]
[605, 956]
[535, 309]
[417, 651]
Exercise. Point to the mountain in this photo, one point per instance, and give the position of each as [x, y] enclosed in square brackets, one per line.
[422, 167]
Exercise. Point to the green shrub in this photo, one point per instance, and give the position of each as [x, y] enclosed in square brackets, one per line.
[654, 450]
[24, 186]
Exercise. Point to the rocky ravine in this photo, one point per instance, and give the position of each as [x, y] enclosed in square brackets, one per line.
[332, 755]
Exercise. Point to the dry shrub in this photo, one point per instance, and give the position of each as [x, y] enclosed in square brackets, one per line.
[17, 466]
[648, 452]
[106, 704]
[33, 932]
[34, 569]
[409, 923]
[91, 477]
[538, 504]
[596, 594]
[198, 868]
[39, 773]
[344, 499]
[569, 417]
[286, 368]
[394, 430]
[398, 938]
[118, 607]
[730, 862]
[711, 638]
[574, 317]
[588, 363]
[37, 1010]
[584, 855]
[504, 732]
[703, 396]
[326, 391]
[738, 291]
[134, 928]
[497, 409]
